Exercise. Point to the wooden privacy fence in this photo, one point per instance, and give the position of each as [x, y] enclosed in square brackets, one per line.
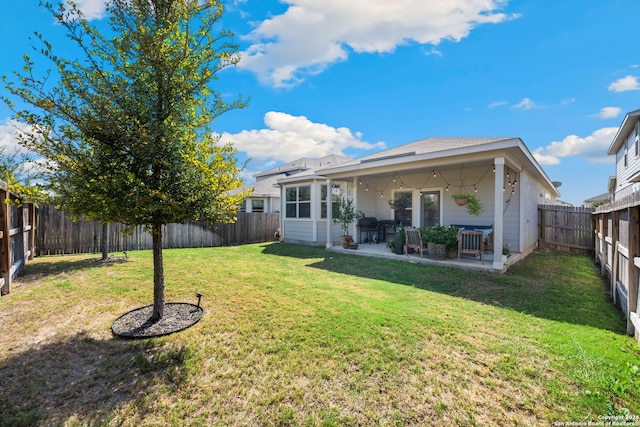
[617, 235]
[17, 236]
[58, 234]
[566, 228]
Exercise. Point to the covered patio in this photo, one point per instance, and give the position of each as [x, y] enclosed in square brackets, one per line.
[467, 262]
[414, 185]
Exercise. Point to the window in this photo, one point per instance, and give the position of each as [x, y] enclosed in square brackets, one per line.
[404, 209]
[298, 202]
[243, 206]
[335, 195]
[257, 205]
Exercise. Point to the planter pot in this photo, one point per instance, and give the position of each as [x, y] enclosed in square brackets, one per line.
[353, 246]
[399, 249]
[461, 202]
[437, 250]
[346, 240]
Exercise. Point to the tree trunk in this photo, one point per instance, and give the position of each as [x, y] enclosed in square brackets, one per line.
[105, 241]
[158, 273]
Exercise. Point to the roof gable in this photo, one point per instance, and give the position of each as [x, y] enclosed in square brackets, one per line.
[303, 164]
[621, 136]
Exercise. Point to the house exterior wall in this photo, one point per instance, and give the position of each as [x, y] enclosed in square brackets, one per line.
[298, 231]
[271, 204]
[375, 202]
[533, 193]
[628, 164]
[312, 230]
[336, 232]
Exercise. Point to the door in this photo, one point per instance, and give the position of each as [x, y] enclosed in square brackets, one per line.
[430, 208]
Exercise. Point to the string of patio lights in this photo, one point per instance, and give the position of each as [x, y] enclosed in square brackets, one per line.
[434, 175]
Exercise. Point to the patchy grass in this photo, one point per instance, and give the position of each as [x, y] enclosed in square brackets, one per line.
[294, 335]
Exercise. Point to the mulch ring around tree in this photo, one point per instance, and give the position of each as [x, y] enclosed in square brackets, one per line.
[177, 317]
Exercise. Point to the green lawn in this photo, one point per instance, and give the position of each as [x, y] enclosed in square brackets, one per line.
[295, 335]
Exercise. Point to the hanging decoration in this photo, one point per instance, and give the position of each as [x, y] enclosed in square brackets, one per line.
[462, 194]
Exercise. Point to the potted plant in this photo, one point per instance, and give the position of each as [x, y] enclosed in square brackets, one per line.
[506, 252]
[398, 240]
[439, 240]
[345, 214]
[474, 207]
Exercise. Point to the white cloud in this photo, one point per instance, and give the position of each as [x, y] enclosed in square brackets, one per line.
[608, 112]
[292, 137]
[624, 84]
[312, 35]
[10, 146]
[526, 104]
[8, 137]
[545, 159]
[592, 148]
[498, 104]
[91, 9]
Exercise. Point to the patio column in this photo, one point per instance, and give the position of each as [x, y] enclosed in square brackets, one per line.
[498, 213]
[329, 212]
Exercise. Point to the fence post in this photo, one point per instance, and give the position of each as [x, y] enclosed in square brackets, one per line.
[543, 226]
[5, 243]
[615, 236]
[33, 222]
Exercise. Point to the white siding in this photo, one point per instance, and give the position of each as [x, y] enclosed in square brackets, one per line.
[625, 172]
[298, 230]
[454, 214]
[336, 232]
[511, 221]
[533, 193]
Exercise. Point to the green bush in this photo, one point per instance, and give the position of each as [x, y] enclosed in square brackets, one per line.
[441, 234]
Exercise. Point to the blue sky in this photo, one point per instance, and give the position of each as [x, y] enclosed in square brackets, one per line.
[355, 77]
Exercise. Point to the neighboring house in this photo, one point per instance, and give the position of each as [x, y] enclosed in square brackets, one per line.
[265, 192]
[625, 146]
[501, 172]
[598, 200]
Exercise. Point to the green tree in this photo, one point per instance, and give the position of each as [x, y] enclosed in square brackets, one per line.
[127, 130]
[19, 172]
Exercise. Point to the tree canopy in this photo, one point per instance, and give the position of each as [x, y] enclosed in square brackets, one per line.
[127, 129]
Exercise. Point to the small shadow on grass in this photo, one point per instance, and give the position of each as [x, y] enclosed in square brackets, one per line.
[543, 285]
[82, 379]
[51, 265]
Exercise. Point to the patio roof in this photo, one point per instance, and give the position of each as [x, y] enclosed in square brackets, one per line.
[440, 150]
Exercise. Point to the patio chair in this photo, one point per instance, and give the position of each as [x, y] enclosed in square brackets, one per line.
[413, 240]
[471, 242]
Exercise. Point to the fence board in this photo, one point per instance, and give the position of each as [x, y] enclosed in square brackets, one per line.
[618, 231]
[566, 228]
[58, 234]
[17, 231]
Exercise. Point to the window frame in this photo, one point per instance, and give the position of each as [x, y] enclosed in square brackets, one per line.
[253, 207]
[296, 203]
[408, 211]
[323, 200]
